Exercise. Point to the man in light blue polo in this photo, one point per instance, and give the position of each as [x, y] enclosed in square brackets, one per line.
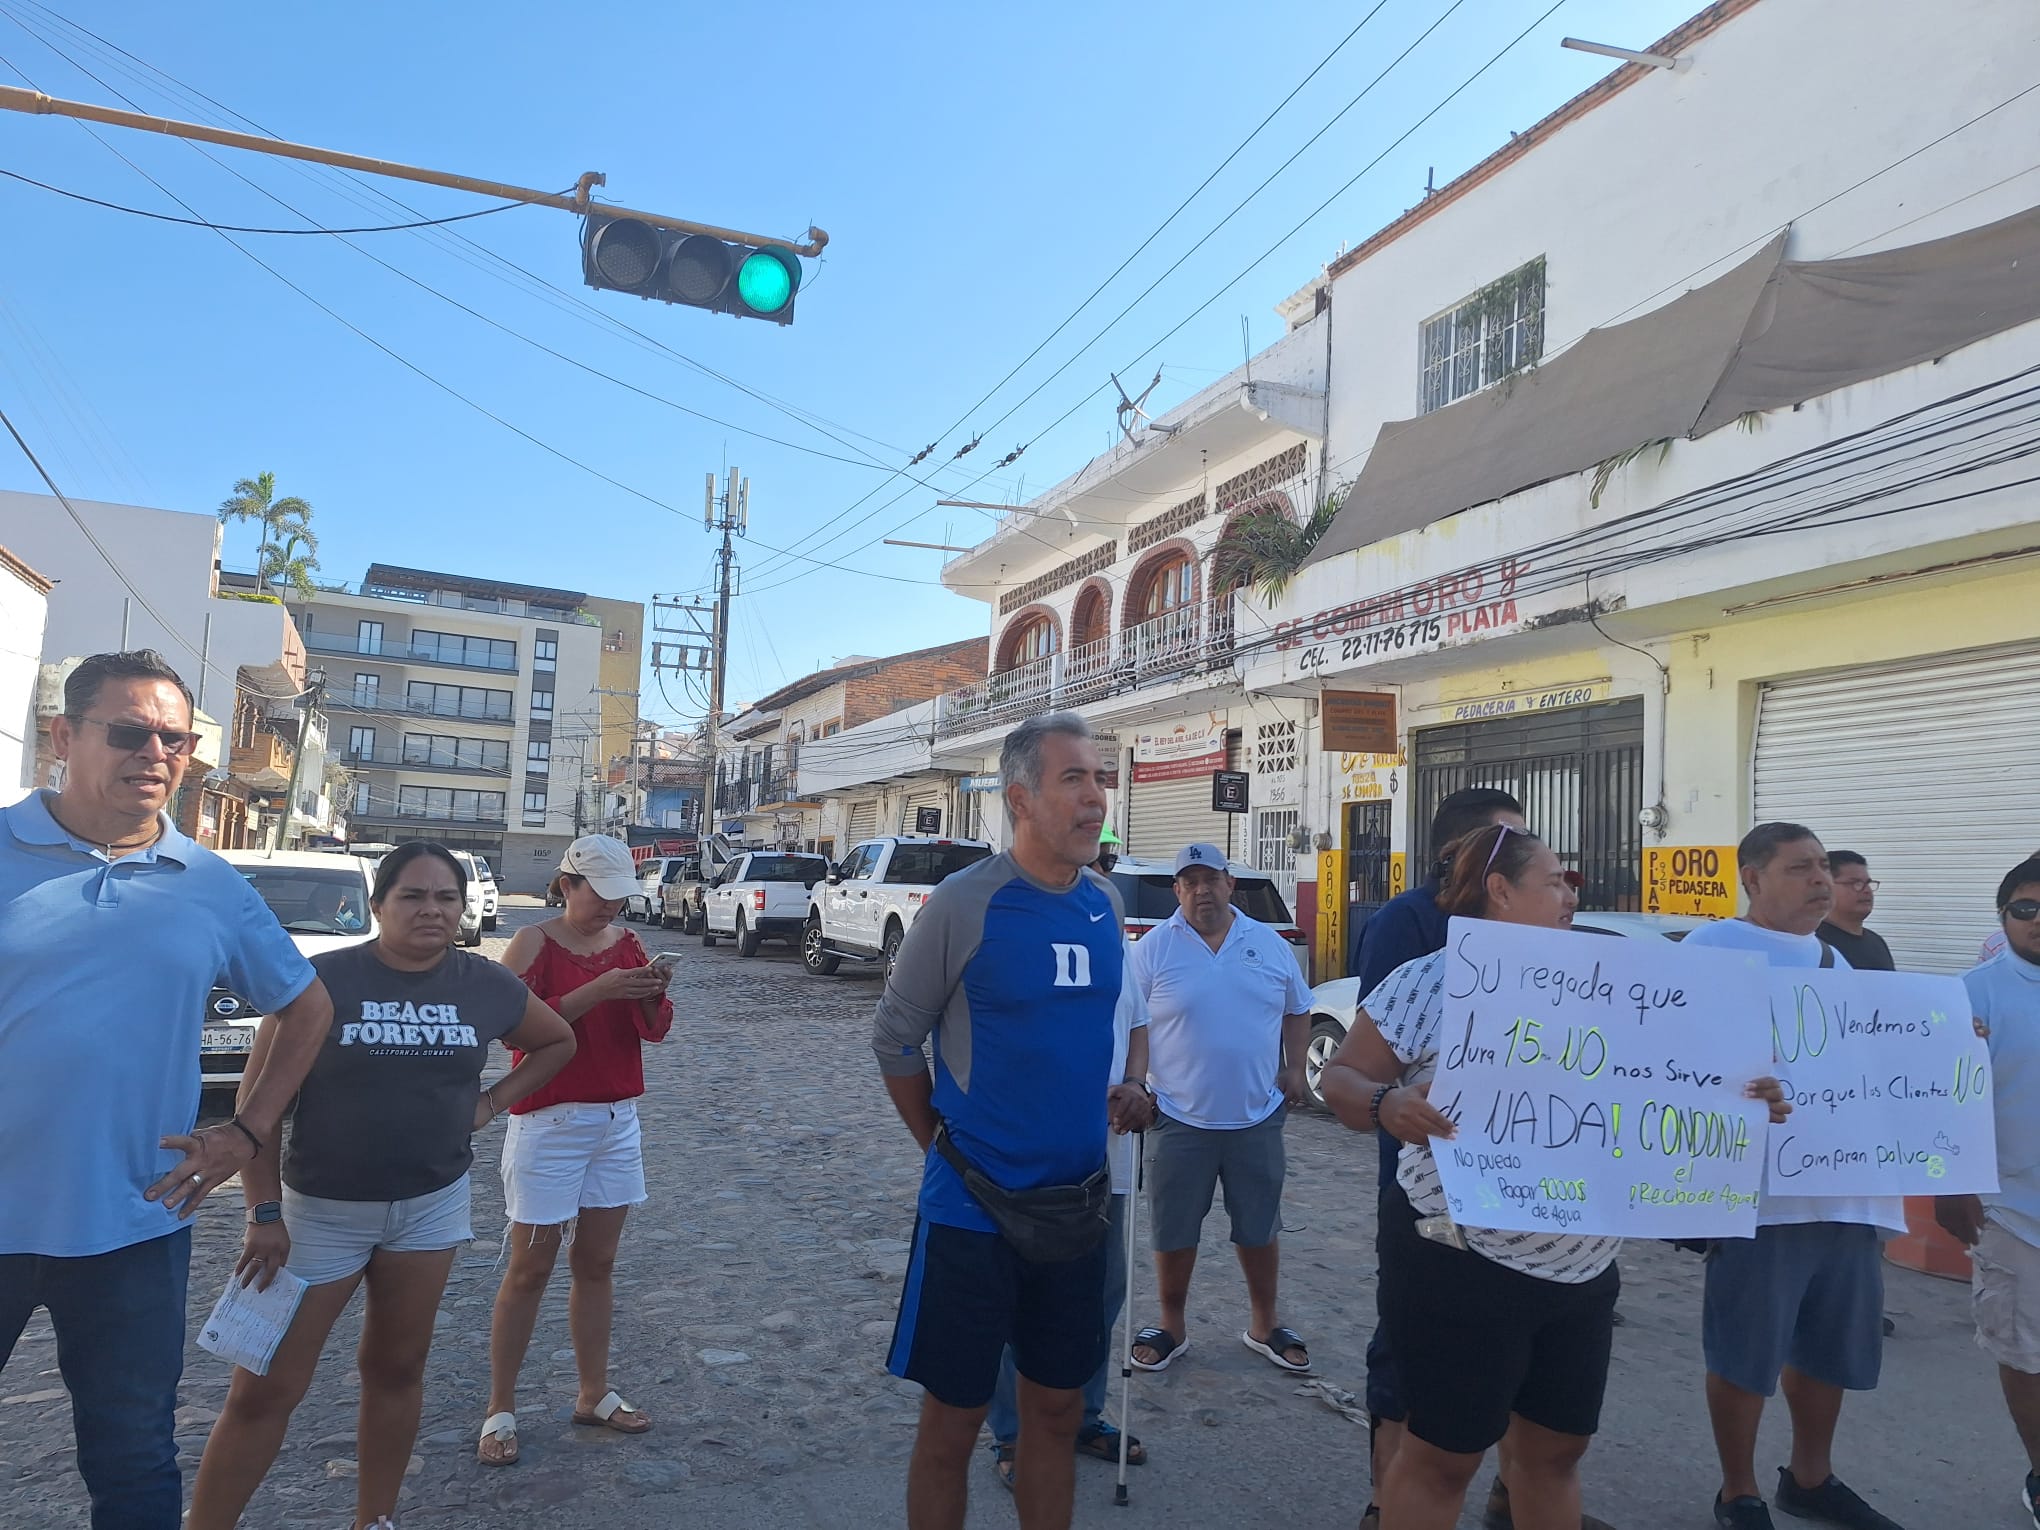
[114, 927]
[1228, 1021]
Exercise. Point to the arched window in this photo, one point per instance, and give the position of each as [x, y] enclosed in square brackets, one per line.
[1030, 638]
[1089, 619]
[1171, 586]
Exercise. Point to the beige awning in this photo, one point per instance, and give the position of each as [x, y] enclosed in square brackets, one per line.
[1769, 334]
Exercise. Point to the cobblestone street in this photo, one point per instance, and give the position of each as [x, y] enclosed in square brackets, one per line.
[756, 1295]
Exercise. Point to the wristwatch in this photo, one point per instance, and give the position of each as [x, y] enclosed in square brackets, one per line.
[262, 1213]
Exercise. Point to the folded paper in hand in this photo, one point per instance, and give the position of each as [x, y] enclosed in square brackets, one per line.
[246, 1324]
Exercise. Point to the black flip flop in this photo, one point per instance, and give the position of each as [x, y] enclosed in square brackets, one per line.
[1279, 1342]
[1162, 1342]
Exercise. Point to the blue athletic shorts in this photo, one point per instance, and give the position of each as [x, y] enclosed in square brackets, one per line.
[1809, 1295]
[968, 1295]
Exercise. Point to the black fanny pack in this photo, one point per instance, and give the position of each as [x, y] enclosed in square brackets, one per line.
[1045, 1226]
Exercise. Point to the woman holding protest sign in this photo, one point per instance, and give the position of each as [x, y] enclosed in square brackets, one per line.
[1499, 1333]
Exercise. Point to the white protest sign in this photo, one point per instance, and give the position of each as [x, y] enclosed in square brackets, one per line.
[1597, 1083]
[1890, 1086]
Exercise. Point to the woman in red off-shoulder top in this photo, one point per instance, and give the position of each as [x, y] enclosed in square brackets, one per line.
[573, 1158]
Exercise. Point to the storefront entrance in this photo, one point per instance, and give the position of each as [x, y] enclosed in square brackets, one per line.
[1578, 771]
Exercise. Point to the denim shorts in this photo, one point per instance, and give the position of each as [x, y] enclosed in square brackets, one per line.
[562, 1159]
[1809, 1295]
[332, 1240]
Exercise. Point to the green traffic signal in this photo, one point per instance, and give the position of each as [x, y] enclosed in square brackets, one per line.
[767, 279]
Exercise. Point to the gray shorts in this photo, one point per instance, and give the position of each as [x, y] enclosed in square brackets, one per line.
[1186, 1163]
[1809, 1295]
[331, 1240]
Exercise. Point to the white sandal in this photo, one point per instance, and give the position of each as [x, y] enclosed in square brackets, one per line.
[501, 1430]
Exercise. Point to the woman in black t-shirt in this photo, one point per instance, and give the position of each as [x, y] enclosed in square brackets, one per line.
[373, 1188]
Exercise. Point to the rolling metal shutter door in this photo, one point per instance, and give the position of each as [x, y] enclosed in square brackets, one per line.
[1926, 769]
[925, 796]
[863, 822]
[1164, 816]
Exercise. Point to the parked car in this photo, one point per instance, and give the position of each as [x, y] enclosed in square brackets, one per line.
[1334, 1002]
[489, 891]
[321, 900]
[1147, 889]
[471, 915]
[868, 903]
[656, 875]
[763, 896]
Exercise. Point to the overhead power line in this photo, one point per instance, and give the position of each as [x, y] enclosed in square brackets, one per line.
[241, 228]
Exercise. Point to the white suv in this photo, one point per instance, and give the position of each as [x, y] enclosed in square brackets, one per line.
[321, 900]
[489, 892]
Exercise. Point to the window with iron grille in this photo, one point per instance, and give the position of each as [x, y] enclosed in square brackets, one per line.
[1498, 330]
[1272, 828]
[1275, 748]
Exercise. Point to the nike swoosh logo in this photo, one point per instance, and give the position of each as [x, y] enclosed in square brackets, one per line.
[1096, 917]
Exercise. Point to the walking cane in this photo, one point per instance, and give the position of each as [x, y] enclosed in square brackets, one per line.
[1126, 1348]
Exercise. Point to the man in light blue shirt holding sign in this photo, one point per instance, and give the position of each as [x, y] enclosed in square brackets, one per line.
[114, 927]
[1802, 1303]
[2002, 1230]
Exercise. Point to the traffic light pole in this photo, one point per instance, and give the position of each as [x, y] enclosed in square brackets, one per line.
[35, 103]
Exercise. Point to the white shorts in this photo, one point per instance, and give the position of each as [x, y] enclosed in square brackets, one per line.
[563, 1159]
[332, 1240]
[2007, 1299]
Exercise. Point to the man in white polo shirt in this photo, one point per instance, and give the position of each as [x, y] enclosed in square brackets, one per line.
[1229, 1017]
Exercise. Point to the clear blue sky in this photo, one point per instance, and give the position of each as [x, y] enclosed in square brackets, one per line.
[980, 169]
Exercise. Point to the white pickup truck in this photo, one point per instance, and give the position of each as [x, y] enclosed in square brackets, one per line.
[762, 895]
[863, 910]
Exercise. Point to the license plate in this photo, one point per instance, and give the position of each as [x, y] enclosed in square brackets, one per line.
[225, 1038]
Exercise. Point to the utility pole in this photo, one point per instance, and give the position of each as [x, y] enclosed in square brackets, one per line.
[702, 631]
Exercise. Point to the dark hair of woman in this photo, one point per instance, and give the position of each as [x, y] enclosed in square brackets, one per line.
[1494, 847]
[392, 866]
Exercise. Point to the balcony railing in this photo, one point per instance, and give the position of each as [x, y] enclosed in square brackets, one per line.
[378, 811]
[400, 651]
[1190, 640]
[748, 793]
[389, 704]
[421, 759]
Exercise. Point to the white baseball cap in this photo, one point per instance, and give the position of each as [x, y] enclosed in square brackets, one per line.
[1201, 854]
[605, 865]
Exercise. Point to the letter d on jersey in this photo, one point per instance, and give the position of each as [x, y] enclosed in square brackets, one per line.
[1072, 966]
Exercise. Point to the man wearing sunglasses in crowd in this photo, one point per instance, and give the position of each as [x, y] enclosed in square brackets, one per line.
[2002, 1230]
[114, 928]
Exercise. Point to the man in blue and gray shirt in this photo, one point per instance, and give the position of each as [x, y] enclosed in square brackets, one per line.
[1014, 969]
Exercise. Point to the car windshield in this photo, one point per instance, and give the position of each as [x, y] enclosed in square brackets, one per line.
[482, 865]
[310, 900]
[808, 869]
[929, 864]
[1151, 896]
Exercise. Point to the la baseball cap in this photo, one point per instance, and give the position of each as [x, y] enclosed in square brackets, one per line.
[1201, 854]
[605, 865]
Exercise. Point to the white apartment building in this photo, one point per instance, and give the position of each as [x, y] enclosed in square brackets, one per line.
[145, 578]
[467, 710]
[1678, 446]
[24, 603]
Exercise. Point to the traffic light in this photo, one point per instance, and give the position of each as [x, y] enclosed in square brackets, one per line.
[696, 270]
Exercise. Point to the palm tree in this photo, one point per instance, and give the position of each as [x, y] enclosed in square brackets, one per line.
[1267, 548]
[287, 551]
